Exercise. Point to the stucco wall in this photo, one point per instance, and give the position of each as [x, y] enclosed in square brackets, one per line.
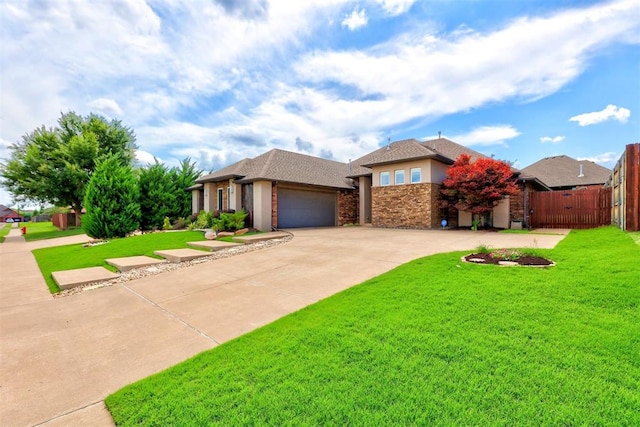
[405, 206]
[424, 165]
[262, 195]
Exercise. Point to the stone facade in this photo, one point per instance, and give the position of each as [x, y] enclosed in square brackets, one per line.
[274, 205]
[225, 192]
[348, 203]
[406, 206]
[516, 203]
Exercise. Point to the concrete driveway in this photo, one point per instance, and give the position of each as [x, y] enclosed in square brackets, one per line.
[61, 357]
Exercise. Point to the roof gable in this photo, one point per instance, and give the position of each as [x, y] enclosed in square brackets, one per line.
[564, 171]
[281, 165]
[441, 149]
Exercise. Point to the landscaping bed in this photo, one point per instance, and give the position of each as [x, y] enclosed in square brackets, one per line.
[524, 260]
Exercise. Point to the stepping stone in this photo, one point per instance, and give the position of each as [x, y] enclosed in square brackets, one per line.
[262, 236]
[181, 255]
[131, 262]
[212, 245]
[71, 278]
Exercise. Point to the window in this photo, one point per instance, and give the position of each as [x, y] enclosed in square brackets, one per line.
[220, 193]
[416, 175]
[399, 177]
[384, 178]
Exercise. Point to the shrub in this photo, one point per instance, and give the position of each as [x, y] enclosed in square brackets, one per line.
[111, 201]
[229, 221]
[202, 221]
[157, 200]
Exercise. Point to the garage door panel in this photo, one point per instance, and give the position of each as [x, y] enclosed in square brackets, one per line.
[300, 208]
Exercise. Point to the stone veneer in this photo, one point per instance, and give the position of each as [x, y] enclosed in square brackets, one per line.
[274, 205]
[405, 206]
[348, 207]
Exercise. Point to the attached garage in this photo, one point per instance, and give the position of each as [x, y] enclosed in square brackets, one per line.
[306, 208]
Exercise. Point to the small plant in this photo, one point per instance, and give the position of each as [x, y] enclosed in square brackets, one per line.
[506, 254]
[482, 249]
[203, 221]
[166, 224]
[474, 224]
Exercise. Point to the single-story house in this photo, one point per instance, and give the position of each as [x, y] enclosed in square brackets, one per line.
[9, 214]
[566, 173]
[396, 186]
[281, 189]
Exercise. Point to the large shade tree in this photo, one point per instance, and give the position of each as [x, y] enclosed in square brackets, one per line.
[54, 165]
[478, 186]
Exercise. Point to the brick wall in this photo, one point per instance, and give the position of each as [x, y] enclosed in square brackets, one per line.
[516, 203]
[348, 204]
[405, 206]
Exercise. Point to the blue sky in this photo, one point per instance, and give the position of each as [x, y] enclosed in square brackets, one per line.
[222, 80]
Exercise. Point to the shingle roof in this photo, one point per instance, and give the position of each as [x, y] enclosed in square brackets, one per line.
[5, 211]
[281, 165]
[441, 149]
[564, 171]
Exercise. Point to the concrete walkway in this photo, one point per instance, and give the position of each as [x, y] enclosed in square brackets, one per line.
[61, 357]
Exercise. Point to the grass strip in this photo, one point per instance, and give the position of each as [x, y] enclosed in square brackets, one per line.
[70, 257]
[46, 230]
[4, 231]
[432, 342]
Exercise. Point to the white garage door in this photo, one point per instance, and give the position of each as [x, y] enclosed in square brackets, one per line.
[301, 208]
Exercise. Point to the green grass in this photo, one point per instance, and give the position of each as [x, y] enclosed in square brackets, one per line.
[4, 231]
[70, 257]
[232, 239]
[46, 230]
[635, 236]
[433, 342]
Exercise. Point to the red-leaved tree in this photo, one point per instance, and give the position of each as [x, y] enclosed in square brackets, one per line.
[477, 187]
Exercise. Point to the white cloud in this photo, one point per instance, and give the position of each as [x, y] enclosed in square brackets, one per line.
[356, 19]
[108, 107]
[610, 112]
[146, 158]
[553, 140]
[396, 7]
[608, 158]
[487, 135]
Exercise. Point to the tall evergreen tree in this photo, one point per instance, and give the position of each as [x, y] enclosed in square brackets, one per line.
[183, 177]
[157, 196]
[111, 200]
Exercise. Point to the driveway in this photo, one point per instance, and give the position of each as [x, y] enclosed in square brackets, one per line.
[61, 357]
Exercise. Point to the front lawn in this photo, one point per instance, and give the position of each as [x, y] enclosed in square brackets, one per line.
[433, 342]
[46, 230]
[70, 257]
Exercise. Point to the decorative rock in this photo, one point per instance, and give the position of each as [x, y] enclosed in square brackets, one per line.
[210, 235]
[225, 234]
[242, 231]
[478, 260]
[509, 263]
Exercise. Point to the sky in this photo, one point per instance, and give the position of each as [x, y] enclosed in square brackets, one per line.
[221, 80]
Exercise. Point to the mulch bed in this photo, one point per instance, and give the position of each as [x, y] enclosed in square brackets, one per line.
[523, 260]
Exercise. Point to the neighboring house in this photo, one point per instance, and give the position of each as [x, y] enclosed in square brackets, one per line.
[281, 189]
[566, 173]
[395, 186]
[9, 214]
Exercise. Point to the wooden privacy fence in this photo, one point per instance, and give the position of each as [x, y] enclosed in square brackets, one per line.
[571, 208]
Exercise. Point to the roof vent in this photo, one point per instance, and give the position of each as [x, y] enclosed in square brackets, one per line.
[581, 174]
